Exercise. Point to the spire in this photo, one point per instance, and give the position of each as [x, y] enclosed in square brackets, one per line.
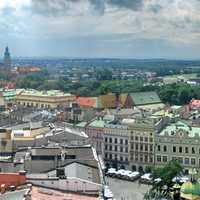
[7, 59]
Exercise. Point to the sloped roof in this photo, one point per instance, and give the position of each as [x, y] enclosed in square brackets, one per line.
[87, 101]
[145, 98]
[107, 101]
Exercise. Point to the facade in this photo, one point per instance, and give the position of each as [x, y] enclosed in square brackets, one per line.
[178, 141]
[95, 131]
[44, 99]
[141, 141]
[116, 146]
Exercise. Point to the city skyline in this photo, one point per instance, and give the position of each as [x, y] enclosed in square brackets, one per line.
[101, 28]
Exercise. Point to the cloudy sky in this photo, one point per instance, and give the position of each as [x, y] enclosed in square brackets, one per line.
[101, 28]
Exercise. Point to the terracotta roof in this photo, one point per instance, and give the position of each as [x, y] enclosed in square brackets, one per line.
[87, 101]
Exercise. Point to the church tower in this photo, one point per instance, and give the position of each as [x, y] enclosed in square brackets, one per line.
[7, 59]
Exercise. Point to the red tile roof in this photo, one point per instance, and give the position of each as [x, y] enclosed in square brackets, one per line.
[10, 179]
[87, 101]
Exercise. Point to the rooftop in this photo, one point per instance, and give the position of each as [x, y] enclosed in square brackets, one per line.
[144, 98]
[97, 123]
[173, 127]
[44, 93]
[39, 193]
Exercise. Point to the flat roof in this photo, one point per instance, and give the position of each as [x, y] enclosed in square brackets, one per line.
[45, 93]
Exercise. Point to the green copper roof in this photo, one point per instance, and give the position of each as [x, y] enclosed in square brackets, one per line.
[145, 98]
[97, 123]
[81, 124]
[173, 127]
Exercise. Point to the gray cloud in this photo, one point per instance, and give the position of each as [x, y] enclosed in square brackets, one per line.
[60, 7]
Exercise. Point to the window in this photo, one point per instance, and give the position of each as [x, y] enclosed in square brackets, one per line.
[110, 156]
[110, 148]
[151, 159]
[141, 139]
[145, 158]
[131, 137]
[106, 147]
[187, 161]
[180, 149]
[110, 140]
[126, 149]
[146, 147]
[106, 155]
[115, 156]
[174, 149]
[164, 159]
[121, 149]
[158, 158]
[106, 139]
[121, 158]
[126, 142]
[136, 138]
[186, 150]
[151, 147]
[136, 146]
[151, 139]
[193, 161]
[115, 140]
[141, 147]
[165, 148]
[193, 150]
[115, 148]
[126, 159]
[121, 141]
[158, 147]
[132, 146]
[146, 139]
[180, 160]
[141, 159]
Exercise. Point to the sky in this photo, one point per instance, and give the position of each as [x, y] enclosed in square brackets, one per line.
[101, 28]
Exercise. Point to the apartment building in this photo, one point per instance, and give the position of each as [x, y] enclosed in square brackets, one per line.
[141, 141]
[116, 146]
[178, 141]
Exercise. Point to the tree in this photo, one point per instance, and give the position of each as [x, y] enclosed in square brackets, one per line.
[166, 174]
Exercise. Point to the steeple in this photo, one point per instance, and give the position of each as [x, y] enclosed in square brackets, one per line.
[7, 59]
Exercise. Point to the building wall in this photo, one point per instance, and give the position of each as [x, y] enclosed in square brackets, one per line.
[141, 143]
[44, 101]
[178, 147]
[95, 135]
[116, 147]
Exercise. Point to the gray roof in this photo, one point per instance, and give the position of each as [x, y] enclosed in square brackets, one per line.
[16, 195]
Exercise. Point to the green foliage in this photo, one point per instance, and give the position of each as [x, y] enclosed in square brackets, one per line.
[166, 174]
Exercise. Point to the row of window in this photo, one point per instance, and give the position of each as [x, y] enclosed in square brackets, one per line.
[176, 149]
[116, 148]
[116, 140]
[141, 147]
[186, 161]
[142, 139]
[116, 157]
[142, 158]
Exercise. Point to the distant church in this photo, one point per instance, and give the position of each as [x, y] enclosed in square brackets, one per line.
[7, 58]
[6, 65]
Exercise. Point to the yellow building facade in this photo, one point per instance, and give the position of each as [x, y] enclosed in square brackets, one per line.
[44, 99]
